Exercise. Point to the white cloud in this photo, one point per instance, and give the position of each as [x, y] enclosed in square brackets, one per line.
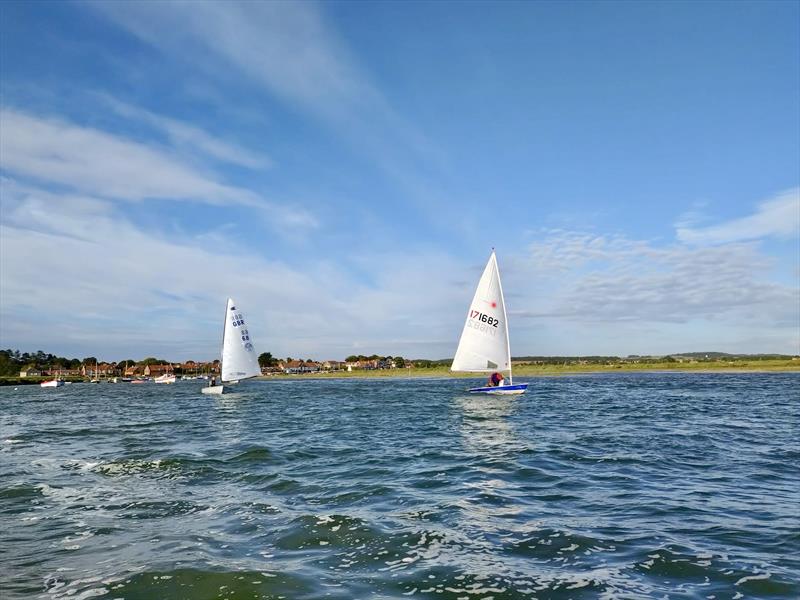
[121, 290]
[711, 277]
[602, 278]
[191, 138]
[606, 294]
[779, 216]
[100, 164]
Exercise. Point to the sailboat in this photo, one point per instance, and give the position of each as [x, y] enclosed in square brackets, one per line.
[96, 378]
[484, 346]
[238, 354]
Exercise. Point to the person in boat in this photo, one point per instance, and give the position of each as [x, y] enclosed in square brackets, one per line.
[213, 382]
[495, 379]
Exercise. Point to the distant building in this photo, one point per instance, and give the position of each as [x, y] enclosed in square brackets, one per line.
[61, 372]
[298, 366]
[30, 372]
[366, 364]
[104, 369]
[156, 370]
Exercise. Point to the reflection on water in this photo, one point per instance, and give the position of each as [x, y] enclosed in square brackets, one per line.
[486, 426]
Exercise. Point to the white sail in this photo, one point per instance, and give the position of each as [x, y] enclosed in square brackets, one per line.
[484, 340]
[239, 359]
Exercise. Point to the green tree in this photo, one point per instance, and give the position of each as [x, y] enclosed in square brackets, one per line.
[60, 362]
[153, 361]
[265, 359]
[8, 364]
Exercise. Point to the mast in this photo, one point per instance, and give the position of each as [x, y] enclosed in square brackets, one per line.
[222, 346]
[505, 317]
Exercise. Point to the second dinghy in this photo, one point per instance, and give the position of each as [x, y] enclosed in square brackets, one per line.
[238, 354]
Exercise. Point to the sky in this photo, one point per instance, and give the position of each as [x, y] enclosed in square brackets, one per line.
[343, 170]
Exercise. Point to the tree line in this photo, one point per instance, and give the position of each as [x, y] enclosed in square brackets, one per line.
[266, 359]
[13, 361]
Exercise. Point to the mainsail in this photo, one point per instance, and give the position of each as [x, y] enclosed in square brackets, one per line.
[484, 341]
[239, 359]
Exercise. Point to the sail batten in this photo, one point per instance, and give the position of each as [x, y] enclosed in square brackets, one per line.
[484, 346]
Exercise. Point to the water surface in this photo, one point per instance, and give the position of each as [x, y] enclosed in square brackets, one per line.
[618, 486]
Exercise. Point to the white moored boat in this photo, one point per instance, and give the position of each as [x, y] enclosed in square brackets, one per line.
[165, 378]
[238, 359]
[484, 346]
[52, 383]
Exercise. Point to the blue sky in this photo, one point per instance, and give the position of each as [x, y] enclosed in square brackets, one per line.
[343, 169]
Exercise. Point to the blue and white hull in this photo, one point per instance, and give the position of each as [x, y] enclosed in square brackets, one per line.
[501, 390]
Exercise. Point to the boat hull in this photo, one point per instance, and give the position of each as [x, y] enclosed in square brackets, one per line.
[52, 383]
[502, 390]
[213, 389]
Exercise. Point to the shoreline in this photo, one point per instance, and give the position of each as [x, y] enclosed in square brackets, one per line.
[519, 371]
[444, 373]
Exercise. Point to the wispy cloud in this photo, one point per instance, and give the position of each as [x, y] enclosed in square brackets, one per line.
[55, 152]
[190, 138]
[779, 216]
[95, 162]
[289, 50]
[284, 46]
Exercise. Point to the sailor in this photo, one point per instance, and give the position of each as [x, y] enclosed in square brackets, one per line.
[496, 379]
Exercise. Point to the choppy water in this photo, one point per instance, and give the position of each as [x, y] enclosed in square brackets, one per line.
[619, 486]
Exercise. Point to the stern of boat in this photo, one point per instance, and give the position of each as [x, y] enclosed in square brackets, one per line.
[213, 389]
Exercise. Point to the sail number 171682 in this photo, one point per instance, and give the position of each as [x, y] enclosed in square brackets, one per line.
[479, 316]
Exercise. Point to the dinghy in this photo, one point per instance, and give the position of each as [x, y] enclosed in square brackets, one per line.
[238, 354]
[484, 346]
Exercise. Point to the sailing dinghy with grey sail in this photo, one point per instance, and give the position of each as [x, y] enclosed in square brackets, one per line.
[238, 359]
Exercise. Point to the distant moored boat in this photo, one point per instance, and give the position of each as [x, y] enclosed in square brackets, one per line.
[52, 383]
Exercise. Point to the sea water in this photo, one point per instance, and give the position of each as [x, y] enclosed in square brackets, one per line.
[598, 486]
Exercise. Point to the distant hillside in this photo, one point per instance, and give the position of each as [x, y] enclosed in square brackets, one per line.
[683, 356]
[725, 355]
